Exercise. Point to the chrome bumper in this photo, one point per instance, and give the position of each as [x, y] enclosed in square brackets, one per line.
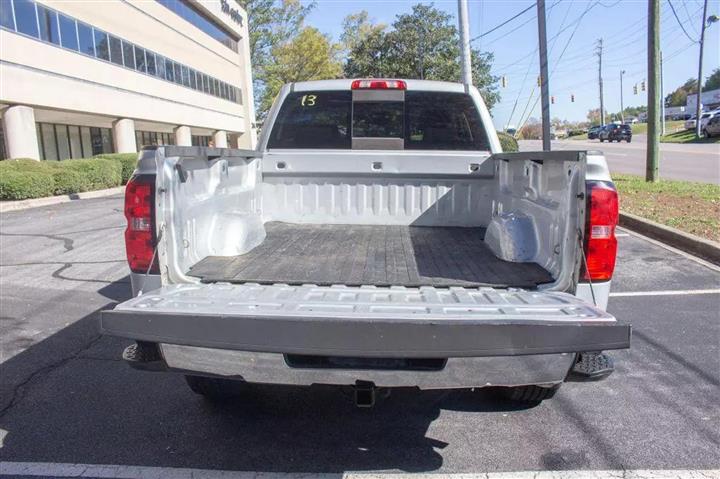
[463, 372]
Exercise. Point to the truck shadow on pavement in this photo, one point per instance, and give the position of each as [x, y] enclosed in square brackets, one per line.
[71, 399]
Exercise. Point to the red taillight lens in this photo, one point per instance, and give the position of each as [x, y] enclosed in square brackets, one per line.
[140, 232]
[600, 241]
[378, 85]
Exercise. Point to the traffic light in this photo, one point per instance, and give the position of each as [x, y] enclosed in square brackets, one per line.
[635, 89]
[572, 98]
[642, 85]
[539, 81]
[503, 81]
[552, 100]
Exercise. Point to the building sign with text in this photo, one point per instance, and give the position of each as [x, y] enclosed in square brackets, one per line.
[233, 13]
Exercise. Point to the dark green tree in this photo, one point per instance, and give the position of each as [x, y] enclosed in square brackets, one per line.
[679, 96]
[421, 44]
[271, 24]
[713, 81]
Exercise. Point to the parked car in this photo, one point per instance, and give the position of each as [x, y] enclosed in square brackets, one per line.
[615, 132]
[378, 237]
[712, 127]
[690, 123]
[593, 132]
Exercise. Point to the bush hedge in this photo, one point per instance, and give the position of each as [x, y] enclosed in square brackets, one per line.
[25, 178]
[508, 142]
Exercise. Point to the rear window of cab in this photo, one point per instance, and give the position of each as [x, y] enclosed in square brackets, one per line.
[421, 121]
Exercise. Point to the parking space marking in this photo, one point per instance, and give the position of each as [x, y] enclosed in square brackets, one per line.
[701, 261]
[34, 469]
[677, 292]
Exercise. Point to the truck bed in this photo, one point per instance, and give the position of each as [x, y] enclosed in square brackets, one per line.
[354, 255]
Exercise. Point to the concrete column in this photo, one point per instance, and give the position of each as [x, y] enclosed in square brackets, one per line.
[235, 140]
[220, 139]
[21, 132]
[124, 136]
[183, 136]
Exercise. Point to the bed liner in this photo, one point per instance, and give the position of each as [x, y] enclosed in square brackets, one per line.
[376, 255]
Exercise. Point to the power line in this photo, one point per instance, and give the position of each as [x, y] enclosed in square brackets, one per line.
[680, 23]
[503, 23]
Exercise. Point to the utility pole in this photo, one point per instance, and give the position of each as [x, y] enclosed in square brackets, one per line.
[622, 107]
[464, 42]
[599, 52]
[653, 97]
[544, 80]
[698, 103]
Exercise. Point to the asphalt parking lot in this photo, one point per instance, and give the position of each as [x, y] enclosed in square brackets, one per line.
[67, 398]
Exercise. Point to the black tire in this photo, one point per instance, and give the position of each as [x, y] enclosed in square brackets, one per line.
[601, 140]
[216, 389]
[706, 134]
[629, 140]
[530, 394]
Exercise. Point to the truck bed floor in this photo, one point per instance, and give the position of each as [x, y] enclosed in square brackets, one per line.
[371, 255]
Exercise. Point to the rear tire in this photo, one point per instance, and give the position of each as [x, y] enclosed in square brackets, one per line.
[530, 394]
[602, 141]
[706, 134]
[216, 389]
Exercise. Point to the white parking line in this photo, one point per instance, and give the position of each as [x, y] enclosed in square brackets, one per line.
[677, 292]
[31, 469]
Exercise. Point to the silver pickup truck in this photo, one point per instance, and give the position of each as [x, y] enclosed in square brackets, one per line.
[378, 237]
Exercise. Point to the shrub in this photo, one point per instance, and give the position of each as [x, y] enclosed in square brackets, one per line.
[69, 181]
[508, 142]
[127, 160]
[98, 173]
[20, 185]
[25, 178]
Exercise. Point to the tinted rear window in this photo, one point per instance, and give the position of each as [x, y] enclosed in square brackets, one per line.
[425, 120]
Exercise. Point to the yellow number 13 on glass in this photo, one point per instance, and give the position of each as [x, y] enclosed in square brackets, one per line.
[308, 100]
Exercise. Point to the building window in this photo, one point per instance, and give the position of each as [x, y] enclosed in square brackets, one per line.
[153, 138]
[68, 33]
[3, 154]
[48, 25]
[47, 19]
[6, 18]
[60, 142]
[140, 64]
[87, 43]
[200, 140]
[128, 56]
[116, 50]
[189, 12]
[25, 17]
[150, 59]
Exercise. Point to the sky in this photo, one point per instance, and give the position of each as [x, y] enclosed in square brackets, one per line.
[573, 28]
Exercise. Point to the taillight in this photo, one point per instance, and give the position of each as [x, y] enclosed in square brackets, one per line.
[140, 233]
[600, 221]
[378, 85]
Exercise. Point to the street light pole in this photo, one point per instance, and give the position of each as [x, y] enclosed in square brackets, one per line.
[465, 62]
[544, 80]
[622, 107]
[698, 104]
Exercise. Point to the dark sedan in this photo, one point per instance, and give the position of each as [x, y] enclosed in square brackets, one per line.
[615, 133]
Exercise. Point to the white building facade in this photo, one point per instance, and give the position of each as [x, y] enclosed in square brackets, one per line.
[80, 78]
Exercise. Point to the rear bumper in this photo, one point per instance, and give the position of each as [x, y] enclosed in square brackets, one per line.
[271, 368]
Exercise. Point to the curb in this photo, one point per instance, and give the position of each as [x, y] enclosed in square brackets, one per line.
[6, 206]
[703, 248]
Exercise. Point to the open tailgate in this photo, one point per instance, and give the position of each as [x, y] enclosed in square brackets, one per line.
[366, 321]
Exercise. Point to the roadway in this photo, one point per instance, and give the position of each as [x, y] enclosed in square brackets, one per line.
[693, 162]
[67, 401]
